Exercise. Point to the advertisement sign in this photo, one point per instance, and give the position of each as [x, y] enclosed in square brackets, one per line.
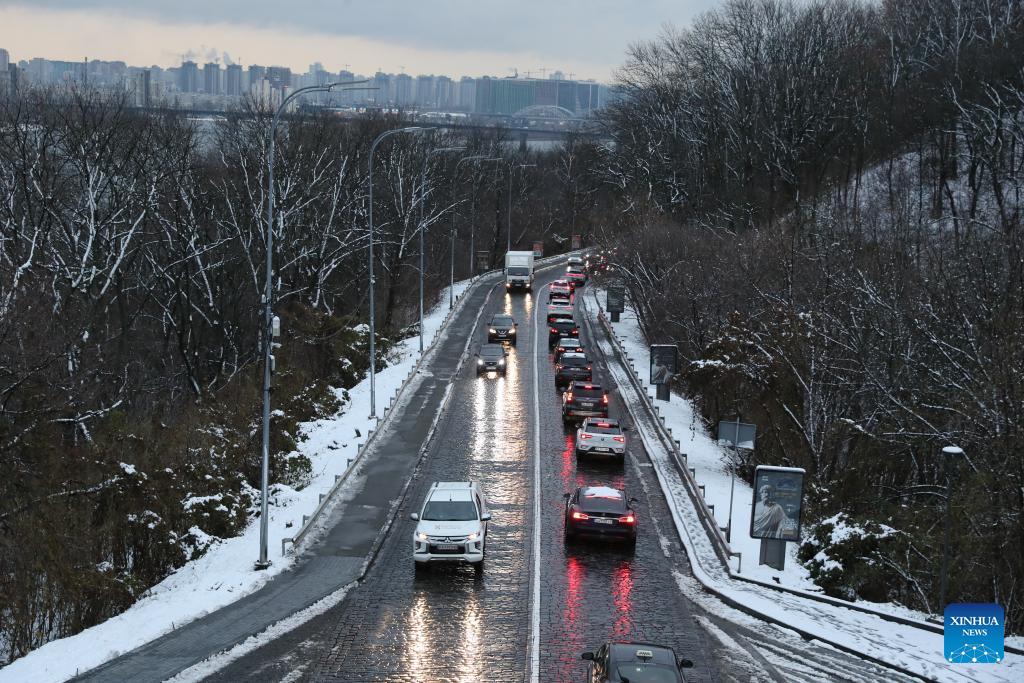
[615, 300]
[577, 242]
[538, 249]
[483, 260]
[664, 363]
[778, 503]
[737, 434]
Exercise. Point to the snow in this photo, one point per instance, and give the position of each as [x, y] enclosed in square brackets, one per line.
[225, 572]
[914, 649]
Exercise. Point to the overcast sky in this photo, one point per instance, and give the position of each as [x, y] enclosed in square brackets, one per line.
[457, 37]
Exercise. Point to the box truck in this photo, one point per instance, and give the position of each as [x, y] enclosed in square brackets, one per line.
[519, 270]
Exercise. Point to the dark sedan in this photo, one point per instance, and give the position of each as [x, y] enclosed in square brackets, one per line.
[635, 663]
[572, 367]
[600, 512]
[492, 358]
[561, 327]
[502, 329]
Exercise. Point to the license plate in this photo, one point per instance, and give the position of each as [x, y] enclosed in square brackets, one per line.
[601, 449]
[446, 546]
[584, 404]
[601, 520]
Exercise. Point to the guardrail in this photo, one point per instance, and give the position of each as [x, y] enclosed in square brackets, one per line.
[310, 521]
[716, 533]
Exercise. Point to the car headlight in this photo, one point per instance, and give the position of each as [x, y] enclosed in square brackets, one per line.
[479, 362]
[512, 331]
[492, 330]
[473, 536]
[421, 536]
[501, 362]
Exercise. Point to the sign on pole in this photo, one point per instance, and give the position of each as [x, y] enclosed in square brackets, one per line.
[615, 302]
[483, 259]
[538, 249]
[577, 242]
[778, 503]
[737, 434]
[664, 363]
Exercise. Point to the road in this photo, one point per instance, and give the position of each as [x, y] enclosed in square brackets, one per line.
[450, 624]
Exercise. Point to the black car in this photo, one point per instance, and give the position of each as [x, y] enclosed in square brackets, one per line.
[634, 662]
[600, 512]
[568, 345]
[491, 358]
[573, 367]
[584, 399]
[502, 329]
[561, 327]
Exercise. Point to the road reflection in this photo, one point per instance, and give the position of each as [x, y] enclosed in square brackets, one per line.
[622, 591]
[419, 649]
[469, 657]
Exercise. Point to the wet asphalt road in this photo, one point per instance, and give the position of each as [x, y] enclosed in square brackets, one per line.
[452, 624]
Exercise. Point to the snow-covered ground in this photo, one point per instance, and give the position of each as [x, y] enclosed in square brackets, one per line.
[913, 649]
[225, 573]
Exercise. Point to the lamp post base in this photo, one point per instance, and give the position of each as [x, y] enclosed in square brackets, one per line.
[260, 566]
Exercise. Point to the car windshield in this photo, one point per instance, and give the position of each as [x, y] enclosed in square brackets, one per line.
[574, 270]
[518, 270]
[648, 673]
[595, 428]
[450, 511]
[593, 393]
[503, 320]
[574, 361]
[491, 352]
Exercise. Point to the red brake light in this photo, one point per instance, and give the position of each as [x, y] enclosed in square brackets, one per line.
[620, 439]
[590, 367]
[628, 519]
[604, 399]
[561, 348]
[579, 515]
[588, 386]
[568, 396]
[603, 424]
[586, 436]
[554, 329]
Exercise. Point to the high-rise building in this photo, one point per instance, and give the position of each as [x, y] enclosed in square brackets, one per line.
[143, 88]
[188, 77]
[425, 96]
[382, 82]
[280, 77]
[5, 60]
[233, 80]
[5, 76]
[256, 74]
[403, 90]
[467, 94]
[444, 93]
[211, 78]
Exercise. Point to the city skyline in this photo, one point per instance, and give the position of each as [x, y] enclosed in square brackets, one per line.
[147, 34]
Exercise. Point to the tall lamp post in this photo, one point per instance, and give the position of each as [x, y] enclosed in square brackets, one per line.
[373, 312]
[511, 169]
[455, 175]
[423, 200]
[272, 327]
[472, 222]
[948, 452]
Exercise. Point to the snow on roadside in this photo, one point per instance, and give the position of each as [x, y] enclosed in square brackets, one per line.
[913, 649]
[225, 573]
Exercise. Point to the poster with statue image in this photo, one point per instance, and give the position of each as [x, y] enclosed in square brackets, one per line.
[778, 503]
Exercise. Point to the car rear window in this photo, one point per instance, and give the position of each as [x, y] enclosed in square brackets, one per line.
[602, 499]
[594, 392]
[575, 362]
[597, 429]
[569, 343]
[647, 673]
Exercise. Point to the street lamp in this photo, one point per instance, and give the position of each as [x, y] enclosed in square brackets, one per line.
[455, 175]
[511, 168]
[423, 200]
[472, 223]
[949, 452]
[373, 346]
[272, 326]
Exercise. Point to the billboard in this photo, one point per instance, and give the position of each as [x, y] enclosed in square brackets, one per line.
[664, 363]
[538, 249]
[615, 299]
[778, 503]
[736, 434]
[577, 242]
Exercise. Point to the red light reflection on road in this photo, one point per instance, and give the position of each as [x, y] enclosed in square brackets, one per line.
[622, 591]
[574, 595]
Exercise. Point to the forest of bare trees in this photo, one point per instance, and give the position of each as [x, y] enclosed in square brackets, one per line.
[821, 204]
[131, 268]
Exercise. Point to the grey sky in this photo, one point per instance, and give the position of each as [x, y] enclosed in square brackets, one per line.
[563, 32]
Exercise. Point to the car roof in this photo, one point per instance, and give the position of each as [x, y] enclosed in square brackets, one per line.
[451, 490]
[627, 652]
[494, 348]
[502, 315]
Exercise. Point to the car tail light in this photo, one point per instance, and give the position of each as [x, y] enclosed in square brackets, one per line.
[575, 330]
[590, 367]
[554, 329]
[628, 519]
[603, 424]
[586, 436]
[568, 397]
[620, 439]
[588, 386]
[604, 399]
[561, 348]
[576, 514]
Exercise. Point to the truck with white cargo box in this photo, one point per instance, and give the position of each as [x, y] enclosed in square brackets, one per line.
[519, 270]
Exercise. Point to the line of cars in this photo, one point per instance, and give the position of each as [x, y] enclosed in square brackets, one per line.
[452, 523]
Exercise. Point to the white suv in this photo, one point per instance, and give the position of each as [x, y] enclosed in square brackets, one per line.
[452, 525]
[601, 436]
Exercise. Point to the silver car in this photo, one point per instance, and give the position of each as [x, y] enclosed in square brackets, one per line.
[601, 436]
